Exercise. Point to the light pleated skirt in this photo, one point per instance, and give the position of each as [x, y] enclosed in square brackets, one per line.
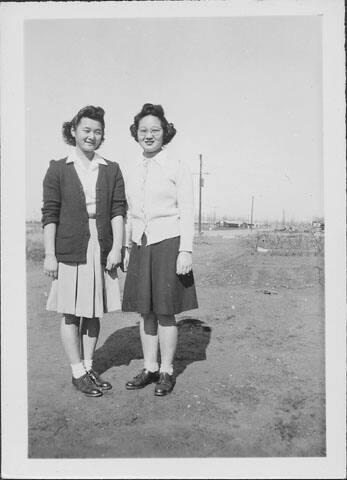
[85, 290]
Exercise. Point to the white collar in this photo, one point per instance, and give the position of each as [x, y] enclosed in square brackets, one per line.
[73, 157]
[159, 157]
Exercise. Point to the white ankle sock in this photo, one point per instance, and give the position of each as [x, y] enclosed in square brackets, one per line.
[166, 369]
[88, 364]
[77, 369]
[151, 367]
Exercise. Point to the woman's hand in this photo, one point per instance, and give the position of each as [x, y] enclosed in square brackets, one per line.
[126, 258]
[114, 259]
[184, 263]
[50, 266]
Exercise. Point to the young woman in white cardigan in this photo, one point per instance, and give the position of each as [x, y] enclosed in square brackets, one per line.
[159, 240]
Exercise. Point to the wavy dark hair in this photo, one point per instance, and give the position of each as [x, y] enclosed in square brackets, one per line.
[157, 111]
[95, 113]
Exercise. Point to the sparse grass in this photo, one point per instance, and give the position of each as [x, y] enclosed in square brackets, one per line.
[34, 242]
[244, 394]
[287, 243]
[277, 243]
[34, 251]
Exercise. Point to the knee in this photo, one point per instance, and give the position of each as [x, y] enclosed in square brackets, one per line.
[167, 320]
[150, 324]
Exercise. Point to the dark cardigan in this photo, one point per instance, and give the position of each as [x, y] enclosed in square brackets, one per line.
[64, 204]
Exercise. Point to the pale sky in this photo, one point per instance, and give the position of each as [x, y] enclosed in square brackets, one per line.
[245, 92]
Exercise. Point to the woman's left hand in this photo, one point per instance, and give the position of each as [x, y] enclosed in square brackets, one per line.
[184, 263]
[114, 259]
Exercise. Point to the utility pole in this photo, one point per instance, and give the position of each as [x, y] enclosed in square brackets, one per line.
[252, 212]
[201, 184]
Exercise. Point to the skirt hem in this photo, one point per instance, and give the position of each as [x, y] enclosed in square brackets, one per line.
[176, 312]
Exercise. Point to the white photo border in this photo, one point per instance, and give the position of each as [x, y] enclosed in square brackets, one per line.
[15, 462]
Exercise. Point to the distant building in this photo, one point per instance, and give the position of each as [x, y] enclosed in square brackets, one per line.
[318, 224]
[233, 224]
[228, 224]
[247, 225]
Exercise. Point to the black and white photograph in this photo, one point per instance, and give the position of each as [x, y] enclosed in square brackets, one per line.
[173, 239]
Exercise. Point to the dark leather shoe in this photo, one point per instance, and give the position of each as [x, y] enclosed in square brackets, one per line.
[98, 381]
[145, 377]
[86, 385]
[165, 385]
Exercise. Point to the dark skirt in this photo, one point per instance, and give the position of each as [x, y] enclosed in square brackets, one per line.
[152, 285]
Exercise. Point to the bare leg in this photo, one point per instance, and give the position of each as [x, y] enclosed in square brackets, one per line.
[149, 341]
[69, 331]
[72, 344]
[168, 341]
[90, 334]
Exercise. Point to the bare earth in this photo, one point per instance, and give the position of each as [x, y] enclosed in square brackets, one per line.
[250, 367]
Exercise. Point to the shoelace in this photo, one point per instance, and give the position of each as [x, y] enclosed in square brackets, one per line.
[140, 375]
[162, 378]
[87, 380]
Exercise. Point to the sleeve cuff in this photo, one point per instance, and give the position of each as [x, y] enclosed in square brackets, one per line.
[47, 221]
[186, 247]
[119, 212]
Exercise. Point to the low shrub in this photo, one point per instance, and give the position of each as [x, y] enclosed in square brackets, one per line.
[288, 244]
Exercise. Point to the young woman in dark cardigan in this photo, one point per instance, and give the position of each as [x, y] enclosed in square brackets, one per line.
[159, 233]
[82, 216]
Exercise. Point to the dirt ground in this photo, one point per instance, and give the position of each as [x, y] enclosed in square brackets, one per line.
[249, 366]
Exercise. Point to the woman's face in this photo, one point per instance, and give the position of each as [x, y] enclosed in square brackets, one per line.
[150, 135]
[88, 135]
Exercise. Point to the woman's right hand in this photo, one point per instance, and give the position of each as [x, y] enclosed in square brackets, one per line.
[126, 259]
[50, 266]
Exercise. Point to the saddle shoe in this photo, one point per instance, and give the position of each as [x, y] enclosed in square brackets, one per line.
[142, 379]
[86, 385]
[98, 380]
[164, 385]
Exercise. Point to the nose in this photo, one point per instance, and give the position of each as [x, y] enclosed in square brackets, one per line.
[91, 135]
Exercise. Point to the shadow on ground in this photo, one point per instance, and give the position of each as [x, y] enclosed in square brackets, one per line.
[124, 345]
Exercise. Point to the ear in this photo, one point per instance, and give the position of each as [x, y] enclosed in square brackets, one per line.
[72, 130]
